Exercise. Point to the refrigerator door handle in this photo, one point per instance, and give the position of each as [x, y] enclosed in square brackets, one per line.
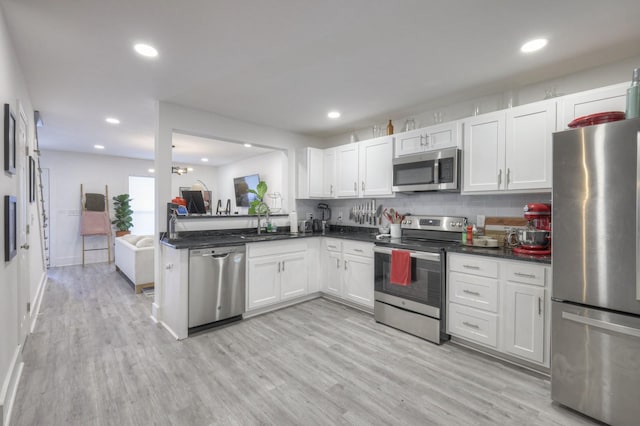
[610, 326]
[637, 217]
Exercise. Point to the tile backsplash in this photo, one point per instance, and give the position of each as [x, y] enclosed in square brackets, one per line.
[431, 203]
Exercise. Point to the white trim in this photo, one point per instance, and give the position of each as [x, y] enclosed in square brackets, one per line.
[37, 301]
[10, 386]
[175, 335]
[155, 312]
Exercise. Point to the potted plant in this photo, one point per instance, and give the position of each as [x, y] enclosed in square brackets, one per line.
[258, 206]
[123, 220]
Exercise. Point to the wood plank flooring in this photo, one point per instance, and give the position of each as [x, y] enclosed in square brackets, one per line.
[97, 359]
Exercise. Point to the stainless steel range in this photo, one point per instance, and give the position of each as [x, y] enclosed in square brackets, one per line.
[417, 305]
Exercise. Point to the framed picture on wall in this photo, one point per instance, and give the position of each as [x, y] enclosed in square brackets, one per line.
[32, 179]
[10, 231]
[9, 140]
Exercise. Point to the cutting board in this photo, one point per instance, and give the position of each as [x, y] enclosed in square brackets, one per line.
[498, 226]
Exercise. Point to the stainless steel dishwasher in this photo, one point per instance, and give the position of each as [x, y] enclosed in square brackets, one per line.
[216, 285]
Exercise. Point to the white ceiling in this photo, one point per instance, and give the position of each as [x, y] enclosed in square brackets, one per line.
[286, 63]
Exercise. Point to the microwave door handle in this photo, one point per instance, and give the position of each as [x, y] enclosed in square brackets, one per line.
[436, 171]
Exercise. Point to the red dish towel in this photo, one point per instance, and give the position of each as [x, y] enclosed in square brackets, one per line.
[400, 267]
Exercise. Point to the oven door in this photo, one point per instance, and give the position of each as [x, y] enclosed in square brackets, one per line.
[425, 292]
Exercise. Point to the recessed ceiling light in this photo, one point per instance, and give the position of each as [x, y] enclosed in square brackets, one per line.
[112, 120]
[333, 114]
[146, 50]
[247, 145]
[98, 146]
[152, 170]
[204, 160]
[189, 169]
[534, 45]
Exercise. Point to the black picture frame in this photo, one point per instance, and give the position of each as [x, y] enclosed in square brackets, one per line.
[32, 179]
[9, 140]
[10, 230]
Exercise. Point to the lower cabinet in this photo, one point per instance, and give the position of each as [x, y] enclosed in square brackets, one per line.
[500, 304]
[347, 270]
[276, 272]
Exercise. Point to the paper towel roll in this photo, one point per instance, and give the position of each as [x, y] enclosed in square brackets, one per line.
[293, 222]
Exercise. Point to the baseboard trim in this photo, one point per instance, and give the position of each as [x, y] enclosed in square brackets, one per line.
[281, 305]
[155, 312]
[37, 302]
[348, 303]
[10, 386]
[174, 334]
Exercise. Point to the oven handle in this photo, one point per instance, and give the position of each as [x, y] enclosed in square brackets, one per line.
[435, 257]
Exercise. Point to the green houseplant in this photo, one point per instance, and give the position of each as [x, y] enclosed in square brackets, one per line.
[123, 212]
[258, 206]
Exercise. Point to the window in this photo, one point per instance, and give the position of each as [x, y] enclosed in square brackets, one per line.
[142, 192]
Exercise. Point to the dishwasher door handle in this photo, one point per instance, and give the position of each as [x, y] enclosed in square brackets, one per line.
[216, 256]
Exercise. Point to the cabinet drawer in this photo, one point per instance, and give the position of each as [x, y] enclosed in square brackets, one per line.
[524, 272]
[472, 290]
[475, 265]
[472, 324]
[270, 248]
[358, 249]
[332, 244]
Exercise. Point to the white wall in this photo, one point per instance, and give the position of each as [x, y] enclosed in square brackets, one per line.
[67, 170]
[207, 174]
[460, 106]
[272, 168]
[22, 278]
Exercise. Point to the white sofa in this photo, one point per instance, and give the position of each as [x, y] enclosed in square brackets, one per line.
[134, 258]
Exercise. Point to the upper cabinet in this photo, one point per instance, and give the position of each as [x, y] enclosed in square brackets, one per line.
[509, 150]
[329, 173]
[310, 170]
[365, 169]
[440, 136]
[604, 99]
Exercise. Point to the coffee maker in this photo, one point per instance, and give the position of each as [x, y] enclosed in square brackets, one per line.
[536, 238]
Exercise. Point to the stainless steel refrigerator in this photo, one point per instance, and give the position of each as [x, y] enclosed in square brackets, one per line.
[595, 343]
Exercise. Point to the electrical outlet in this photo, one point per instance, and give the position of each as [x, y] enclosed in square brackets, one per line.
[339, 215]
[309, 216]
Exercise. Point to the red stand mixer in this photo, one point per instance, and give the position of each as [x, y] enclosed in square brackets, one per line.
[536, 239]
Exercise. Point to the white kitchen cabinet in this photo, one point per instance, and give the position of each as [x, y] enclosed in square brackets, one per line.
[358, 279]
[604, 99]
[365, 169]
[347, 175]
[329, 173]
[510, 150]
[348, 270]
[293, 275]
[440, 136]
[524, 321]
[376, 167]
[276, 271]
[500, 304]
[264, 281]
[310, 173]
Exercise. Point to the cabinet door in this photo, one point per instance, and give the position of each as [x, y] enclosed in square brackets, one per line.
[483, 153]
[358, 279]
[332, 273]
[443, 136]
[411, 142]
[329, 173]
[294, 277]
[376, 167]
[528, 145]
[264, 282]
[347, 160]
[316, 171]
[524, 321]
[610, 98]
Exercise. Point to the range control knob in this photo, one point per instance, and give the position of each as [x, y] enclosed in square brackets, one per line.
[407, 222]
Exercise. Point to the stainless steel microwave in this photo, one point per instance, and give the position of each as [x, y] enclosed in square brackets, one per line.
[429, 171]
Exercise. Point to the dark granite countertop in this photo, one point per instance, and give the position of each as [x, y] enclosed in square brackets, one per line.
[202, 239]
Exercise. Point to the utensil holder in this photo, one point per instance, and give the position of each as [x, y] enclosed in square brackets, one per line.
[395, 230]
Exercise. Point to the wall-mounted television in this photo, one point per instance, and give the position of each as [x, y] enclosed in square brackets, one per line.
[242, 185]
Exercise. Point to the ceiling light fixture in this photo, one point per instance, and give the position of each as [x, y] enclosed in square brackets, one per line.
[112, 120]
[534, 45]
[146, 50]
[152, 170]
[189, 169]
[247, 145]
[204, 160]
[333, 114]
[98, 146]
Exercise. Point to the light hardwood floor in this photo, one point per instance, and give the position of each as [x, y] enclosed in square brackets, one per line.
[97, 359]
